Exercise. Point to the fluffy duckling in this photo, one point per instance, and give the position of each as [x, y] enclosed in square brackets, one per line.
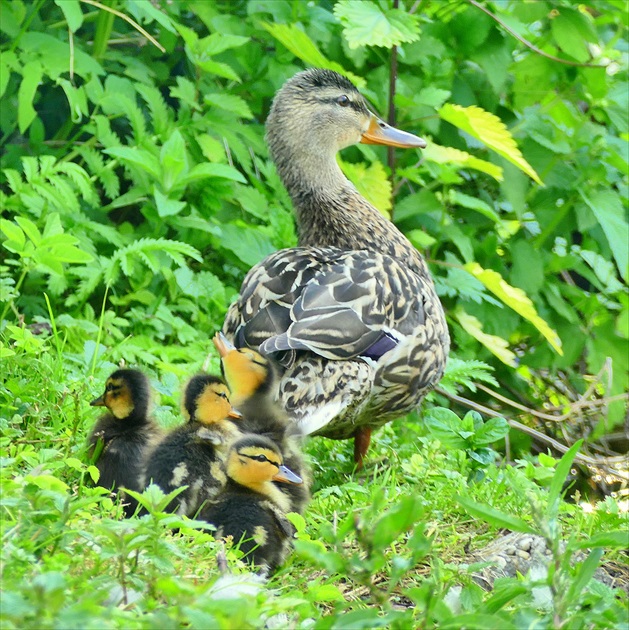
[252, 381]
[121, 437]
[251, 508]
[193, 454]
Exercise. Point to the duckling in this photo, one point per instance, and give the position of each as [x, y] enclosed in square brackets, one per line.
[351, 314]
[193, 454]
[250, 508]
[252, 380]
[121, 437]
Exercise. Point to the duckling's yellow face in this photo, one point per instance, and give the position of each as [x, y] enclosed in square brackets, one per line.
[212, 404]
[117, 397]
[245, 371]
[253, 466]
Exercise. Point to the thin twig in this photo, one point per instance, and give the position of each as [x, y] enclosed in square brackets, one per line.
[415, 7]
[71, 42]
[528, 44]
[391, 114]
[126, 18]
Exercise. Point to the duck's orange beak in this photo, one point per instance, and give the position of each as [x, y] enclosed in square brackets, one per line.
[380, 132]
[234, 413]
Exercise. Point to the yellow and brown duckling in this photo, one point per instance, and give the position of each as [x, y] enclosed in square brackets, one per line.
[193, 454]
[351, 314]
[121, 437]
[252, 381]
[251, 509]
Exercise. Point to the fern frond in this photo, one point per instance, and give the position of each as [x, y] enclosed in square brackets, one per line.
[158, 108]
[14, 179]
[80, 179]
[104, 133]
[464, 373]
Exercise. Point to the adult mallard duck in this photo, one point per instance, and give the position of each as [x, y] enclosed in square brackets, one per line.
[121, 437]
[351, 314]
[250, 507]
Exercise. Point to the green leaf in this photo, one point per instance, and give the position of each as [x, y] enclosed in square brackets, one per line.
[248, 243]
[516, 299]
[138, 157]
[167, 207]
[72, 13]
[205, 170]
[324, 593]
[472, 203]
[230, 103]
[491, 431]
[490, 130]
[584, 574]
[607, 208]
[396, 521]
[217, 43]
[448, 155]
[615, 540]
[32, 75]
[561, 473]
[372, 182]
[494, 517]
[367, 24]
[572, 31]
[445, 425]
[173, 160]
[13, 233]
[298, 42]
[30, 228]
[219, 69]
[496, 345]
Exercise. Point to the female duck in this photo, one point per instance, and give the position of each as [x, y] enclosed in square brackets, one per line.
[193, 454]
[121, 437]
[252, 382]
[250, 508]
[352, 314]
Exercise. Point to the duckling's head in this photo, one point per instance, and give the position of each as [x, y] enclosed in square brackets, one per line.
[254, 460]
[246, 371]
[127, 392]
[321, 112]
[206, 400]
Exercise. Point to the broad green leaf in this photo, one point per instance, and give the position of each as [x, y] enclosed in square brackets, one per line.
[584, 574]
[217, 43]
[298, 42]
[8, 62]
[448, 155]
[496, 345]
[72, 13]
[490, 130]
[30, 228]
[249, 243]
[167, 207]
[205, 170]
[138, 157]
[32, 76]
[70, 254]
[367, 24]
[472, 203]
[77, 100]
[491, 431]
[324, 593]
[219, 69]
[494, 517]
[614, 540]
[13, 233]
[396, 521]
[47, 482]
[445, 425]
[607, 208]
[559, 478]
[572, 31]
[371, 182]
[173, 160]
[516, 299]
[229, 102]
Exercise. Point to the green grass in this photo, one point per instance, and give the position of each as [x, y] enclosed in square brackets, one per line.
[385, 547]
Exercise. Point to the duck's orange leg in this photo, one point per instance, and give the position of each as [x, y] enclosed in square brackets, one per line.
[362, 437]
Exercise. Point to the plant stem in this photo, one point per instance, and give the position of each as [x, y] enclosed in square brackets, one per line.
[391, 114]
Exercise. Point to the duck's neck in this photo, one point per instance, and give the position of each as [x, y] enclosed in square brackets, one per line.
[330, 211]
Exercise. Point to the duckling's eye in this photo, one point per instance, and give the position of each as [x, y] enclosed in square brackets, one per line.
[343, 101]
[223, 395]
[260, 458]
[109, 387]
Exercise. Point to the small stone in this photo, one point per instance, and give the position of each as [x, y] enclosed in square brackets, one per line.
[523, 554]
[525, 543]
[509, 550]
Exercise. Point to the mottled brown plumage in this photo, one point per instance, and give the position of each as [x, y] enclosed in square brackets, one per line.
[351, 314]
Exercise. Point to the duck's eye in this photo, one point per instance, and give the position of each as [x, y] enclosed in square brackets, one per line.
[223, 395]
[260, 458]
[109, 387]
[343, 100]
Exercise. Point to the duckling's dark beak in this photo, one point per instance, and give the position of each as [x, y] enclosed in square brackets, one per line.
[380, 132]
[222, 344]
[287, 475]
[234, 413]
[98, 402]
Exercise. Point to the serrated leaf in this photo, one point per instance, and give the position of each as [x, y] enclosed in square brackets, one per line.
[219, 69]
[167, 207]
[371, 182]
[32, 75]
[607, 208]
[491, 131]
[205, 170]
[13, 233]
[30, 229]
[448, 155]
[496, 345]
[220, 42]
[173, 160]
[517, 300]
[72, 13]
[138, 157]
[572, 31]
[298, 42]
[495, 517]
[367, 24]
[464, 373]
[230, 103]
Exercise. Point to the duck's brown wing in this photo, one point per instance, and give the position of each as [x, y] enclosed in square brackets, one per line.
[337, 304]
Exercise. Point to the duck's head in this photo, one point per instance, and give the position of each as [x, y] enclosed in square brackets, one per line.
[206, 400]
[323, 111]
[254, 460]
[127, 392]
[246, 371]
